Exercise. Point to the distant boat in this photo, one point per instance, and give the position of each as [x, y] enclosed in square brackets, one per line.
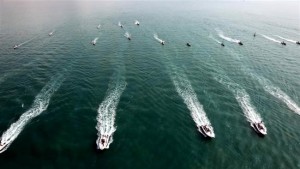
[188, 44]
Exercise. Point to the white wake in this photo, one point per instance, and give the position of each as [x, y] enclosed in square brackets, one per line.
[51, 33]
[107, 110]
[277, 93]
[127, 35]
[95, 40]
[119, 24]
[25, 42]
[221, 35]
[242, 98]
[271, 39]
[157, 38]
[39, 105]
[185, 90]
[289, 40]
[210, 36]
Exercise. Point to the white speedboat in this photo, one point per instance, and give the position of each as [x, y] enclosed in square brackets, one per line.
[259, 127]
[50, 34]
[103, 142]
[16, 46]
[3, 145]
[207, 131]
[137, 23]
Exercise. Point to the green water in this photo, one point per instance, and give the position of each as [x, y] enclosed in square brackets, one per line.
[63, 79]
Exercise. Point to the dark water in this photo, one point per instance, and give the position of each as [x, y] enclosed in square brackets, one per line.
[60, 81]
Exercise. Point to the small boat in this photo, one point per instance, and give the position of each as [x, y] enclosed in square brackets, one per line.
[3, 146]
[254, 34]
[16, 46]
[162, 42]
[137, 23]
[240, 43]
[103, 142]
[207, 131]
[222, 44]
[50, 34]
[259, 128]
[298, 43]
[283, 43]
[129, 38]
[98, 27]
[188, 44]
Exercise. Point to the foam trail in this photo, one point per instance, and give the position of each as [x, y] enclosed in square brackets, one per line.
[289, 40]
[221, 35]
[277, 93]
[185, 90]
[156, 37]
[25, 42]
[210, 36]
[107, 111]
[39, 105]
[127, 35]
[119, 24]
[51, 33]
[95, 41]
[272, 39]
[242, 98]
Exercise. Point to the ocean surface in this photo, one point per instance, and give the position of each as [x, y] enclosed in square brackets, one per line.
[53, 89]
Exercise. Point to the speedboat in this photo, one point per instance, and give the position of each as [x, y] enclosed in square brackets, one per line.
[240, 43]
[129, 38]
[259, 127]
[222, 44]
[283, 43]
[188, 44]
[94, 42]
[16, 46]
[207, 131]
[298, 43]
[98, 27]
[254, 34]
[3, 145]
[50, 34]
[162, 42]
[103, 142]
